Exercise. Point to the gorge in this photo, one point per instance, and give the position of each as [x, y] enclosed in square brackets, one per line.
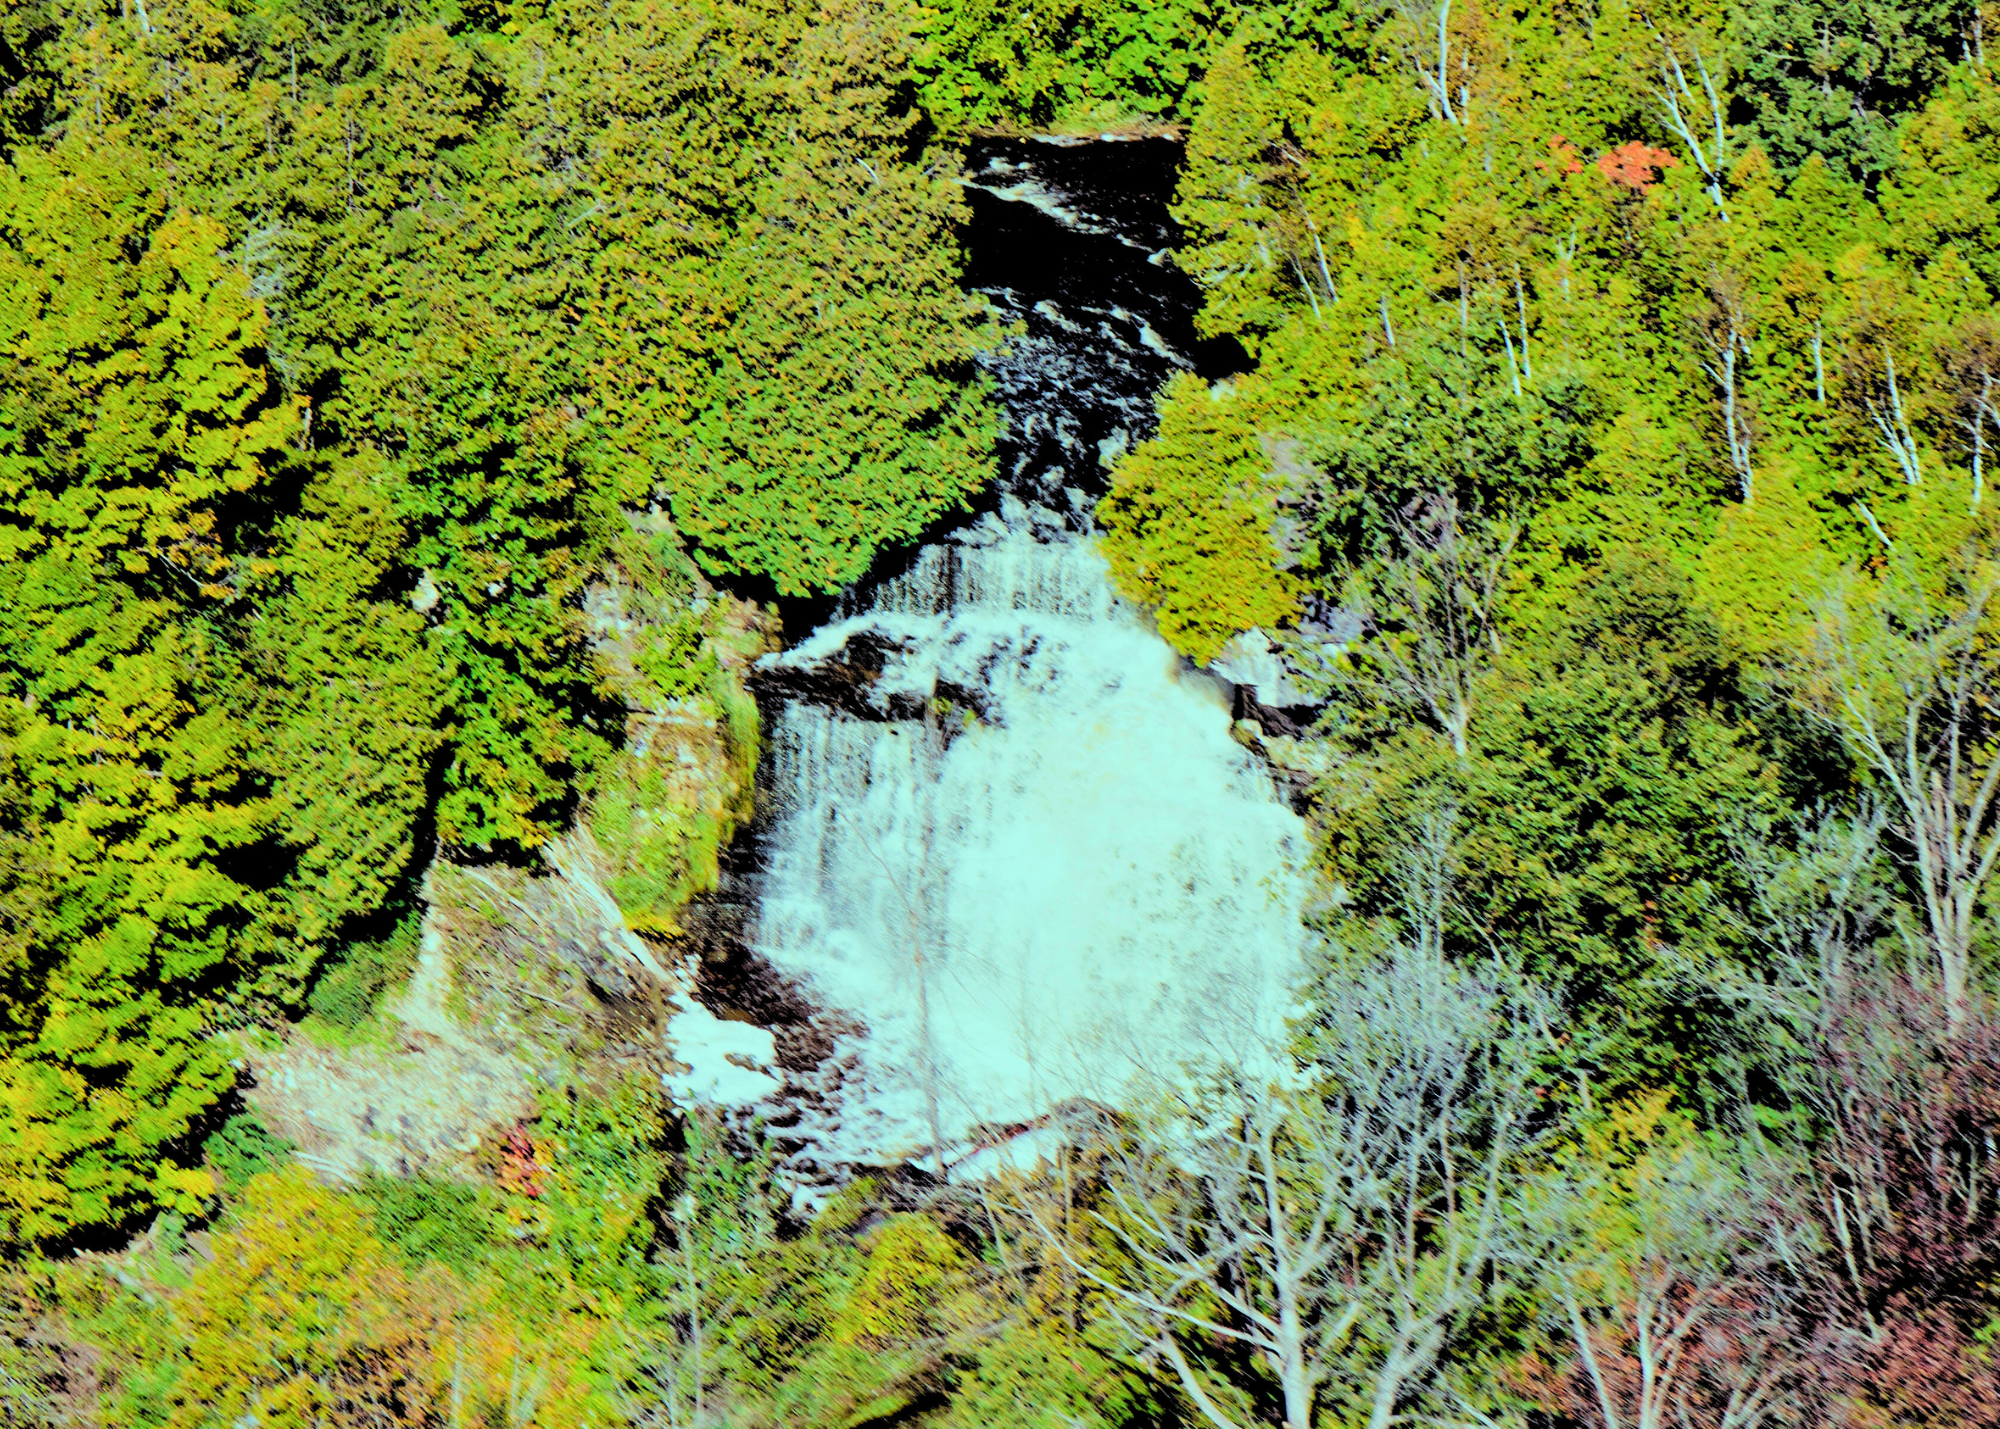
[1009, 849]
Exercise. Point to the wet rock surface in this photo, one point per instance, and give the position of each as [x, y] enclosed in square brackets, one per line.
[851, 680]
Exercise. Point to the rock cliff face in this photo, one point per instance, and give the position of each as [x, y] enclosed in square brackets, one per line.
[1010, 850]
[674, 655]
[525, 977]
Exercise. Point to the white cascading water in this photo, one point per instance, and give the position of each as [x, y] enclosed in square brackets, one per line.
[1012, 842]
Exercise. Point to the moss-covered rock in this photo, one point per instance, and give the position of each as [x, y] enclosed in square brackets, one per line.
[672, 653]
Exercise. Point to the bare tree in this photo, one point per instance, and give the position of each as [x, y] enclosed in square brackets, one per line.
[1980, 409]
[1424, 874]
[1724, 330]
[1657, 1267]
[1819, 900]
[1687, 112]
[1886, 1229]
[1330, 1220]
[1679, 1268]
[1527, 364]
[1973, 366]
[1819, 910]
[1433, 622]
[1906, 678]
[1890, 1224]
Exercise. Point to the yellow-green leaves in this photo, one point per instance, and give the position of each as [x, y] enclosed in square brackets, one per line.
[1188, 521]
[134, 415]
[135, 399]
[1069, 63]
[302, 1319]
[907, 1289]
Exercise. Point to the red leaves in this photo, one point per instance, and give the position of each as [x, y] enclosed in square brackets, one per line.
[1909, 1184]
[1635, 166]
[1921, 1371]
[1679, 1354]
[1913, 1105]
[1562, 156]
[1861, 1303]
[520, 1169]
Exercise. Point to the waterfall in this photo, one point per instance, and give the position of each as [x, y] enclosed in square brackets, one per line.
[1010, 847]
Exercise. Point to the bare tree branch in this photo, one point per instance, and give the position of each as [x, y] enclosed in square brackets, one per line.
[1435, 629]
[1892, 426]
[1330, 1219]
[1907, 680]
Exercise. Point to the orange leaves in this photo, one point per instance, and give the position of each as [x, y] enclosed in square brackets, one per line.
[1635, 166]
[1563, 156]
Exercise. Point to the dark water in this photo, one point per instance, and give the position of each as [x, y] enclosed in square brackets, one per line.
[1073, 242]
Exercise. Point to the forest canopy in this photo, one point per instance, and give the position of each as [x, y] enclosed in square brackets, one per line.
[408, 411]
[340, 343]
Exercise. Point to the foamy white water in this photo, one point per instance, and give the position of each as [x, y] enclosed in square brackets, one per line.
[1025, 907]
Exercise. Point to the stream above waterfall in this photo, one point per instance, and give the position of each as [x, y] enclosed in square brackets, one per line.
[1008, 851]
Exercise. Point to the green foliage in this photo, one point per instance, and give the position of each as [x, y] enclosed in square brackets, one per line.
[341, 341]
[1589, 832]
[907, 1286]
[381, 383]
[304, 1317]
[350, 987]
[242, 1148]
[1061, 63]
[784, 1297]
[424, 1219]
[1030, 1378]
[1831, 78]
[664, 851]
[818, 436]
[1697, 372]
[1440, 416]
[296, 1310]
[606, 1171]
[838, 1328]
[663, 807]
[347, 701]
